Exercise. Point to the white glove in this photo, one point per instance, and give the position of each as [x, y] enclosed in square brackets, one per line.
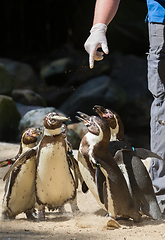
[96, 40]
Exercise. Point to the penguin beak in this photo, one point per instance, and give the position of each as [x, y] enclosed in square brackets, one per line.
[39, 131]
[35, 132]
[102, 112]
[162, 122]
[83, 118]
[58, 118]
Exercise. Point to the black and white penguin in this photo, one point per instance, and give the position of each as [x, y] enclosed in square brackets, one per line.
[101, 172]
[133, 169]
[28, 140]
[58, 147]
[75, 171]
[20, 185]
[118, 140]
[55, 184]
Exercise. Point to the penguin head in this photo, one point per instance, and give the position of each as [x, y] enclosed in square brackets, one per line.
[113, 120]
[53, 120]
[30, 135]
[95, 125]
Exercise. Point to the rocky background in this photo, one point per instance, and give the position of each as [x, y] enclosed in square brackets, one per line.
[44, 67]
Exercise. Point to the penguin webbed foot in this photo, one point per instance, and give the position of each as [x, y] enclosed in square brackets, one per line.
[41, 215]
[7, 216]
[112, 223]
[31, 214]
[62, 210]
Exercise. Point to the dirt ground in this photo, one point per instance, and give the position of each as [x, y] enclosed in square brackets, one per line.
[90, 223]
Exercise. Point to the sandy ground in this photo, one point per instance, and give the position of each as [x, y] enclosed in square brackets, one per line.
[90, 223]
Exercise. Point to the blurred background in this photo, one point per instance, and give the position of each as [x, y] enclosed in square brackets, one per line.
[43, 64]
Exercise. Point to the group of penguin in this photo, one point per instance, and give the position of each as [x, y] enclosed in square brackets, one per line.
[45, 173]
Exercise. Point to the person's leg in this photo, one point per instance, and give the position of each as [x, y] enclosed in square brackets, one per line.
[156, 85]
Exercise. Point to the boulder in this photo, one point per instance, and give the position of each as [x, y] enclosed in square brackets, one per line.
[28, 97]
[9, 120]
[6, 81]
[23, 74]
[130, 72]
[100, 90]
[73, 138]
[34, 118]
[78, 128]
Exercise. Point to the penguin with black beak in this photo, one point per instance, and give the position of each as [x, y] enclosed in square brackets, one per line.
[133, 169]
[20, 185]
[101, 172]
[55, 184]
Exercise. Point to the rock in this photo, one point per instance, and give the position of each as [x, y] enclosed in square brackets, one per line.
[73, 138]
[23, 109]
[130, 72]
[55, 96]
[76, 131]
[28, 97]
[6, 81]
[69, 67]
[34, 118]
[23, 74]
[9, 119]
[100, 90]
[78, 128]
[54, 73]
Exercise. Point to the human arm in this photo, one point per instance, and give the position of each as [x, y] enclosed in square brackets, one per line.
[105, 11]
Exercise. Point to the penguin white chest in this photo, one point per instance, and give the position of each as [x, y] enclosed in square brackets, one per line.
[22, 194]
[54, 183]
[88, 178]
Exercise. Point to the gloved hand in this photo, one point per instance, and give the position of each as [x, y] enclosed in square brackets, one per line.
[96, 40]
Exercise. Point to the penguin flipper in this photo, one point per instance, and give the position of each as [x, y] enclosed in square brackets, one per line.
[23, 158]
[100, 179]
[7, 162]
[74, 167]
[145, 153]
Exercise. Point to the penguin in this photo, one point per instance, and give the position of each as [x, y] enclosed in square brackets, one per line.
[27, 139]
[74, 161]
[101, 172]
[133, 169]
[75, 169]
[55, 184]
[20, 185]
[118, 140]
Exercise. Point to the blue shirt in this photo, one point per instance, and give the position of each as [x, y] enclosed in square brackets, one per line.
[156, 11]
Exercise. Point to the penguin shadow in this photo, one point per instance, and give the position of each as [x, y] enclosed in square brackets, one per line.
[128, 223]
[101, 212]
[55, 216]
[146, 221]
